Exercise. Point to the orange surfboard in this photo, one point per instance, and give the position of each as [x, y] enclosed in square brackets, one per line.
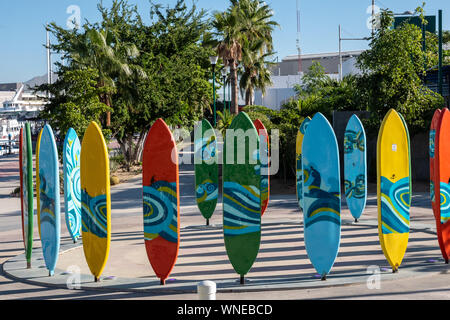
[440, 177]
[161, 205]
[265, 176]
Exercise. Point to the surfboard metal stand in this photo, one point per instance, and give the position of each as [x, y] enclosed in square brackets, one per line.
[242, 281]
[324, 277]
[96, 279]
[28, 265]
[162, 282]
[207, 222]
[356, 220]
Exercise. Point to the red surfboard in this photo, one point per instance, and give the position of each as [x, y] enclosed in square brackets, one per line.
[265, 178]
[161, 199]
[441, 174]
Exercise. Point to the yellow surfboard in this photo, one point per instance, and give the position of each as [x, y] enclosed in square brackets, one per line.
[95, 200]
[38, 183]
[393, 187]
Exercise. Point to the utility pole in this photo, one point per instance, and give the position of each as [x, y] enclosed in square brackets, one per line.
[373, 18]
[49, 61]
[340, 50]
[298, 39]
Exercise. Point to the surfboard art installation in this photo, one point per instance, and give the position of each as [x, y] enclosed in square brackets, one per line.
[206, 169]
[300, 135]
[394, 187]
[161, 200]
[241, 194]
[321, 195]
[95, 200]
[355, 167]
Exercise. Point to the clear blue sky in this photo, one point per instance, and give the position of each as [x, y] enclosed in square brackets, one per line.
[22, 34]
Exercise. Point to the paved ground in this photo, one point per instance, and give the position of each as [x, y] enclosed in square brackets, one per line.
[281, 271]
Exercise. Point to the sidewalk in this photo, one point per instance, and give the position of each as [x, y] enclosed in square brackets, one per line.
[282, 262]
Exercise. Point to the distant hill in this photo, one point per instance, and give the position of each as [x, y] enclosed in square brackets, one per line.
[37, 81]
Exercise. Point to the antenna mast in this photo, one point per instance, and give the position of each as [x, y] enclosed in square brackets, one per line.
[299, 49]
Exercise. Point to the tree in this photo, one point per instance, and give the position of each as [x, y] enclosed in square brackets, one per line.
[245, 23]
[392, 69]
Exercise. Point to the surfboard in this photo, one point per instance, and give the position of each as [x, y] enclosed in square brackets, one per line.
[161, 204]
[38, 203]
[241, 194]
[441, 174]
[72, 188]
[27, 192]
[394, 187]
[298, 150]
[95, 200]
[321, 194]
[206, 169]
[22, 209]
[355, 167]
[50, 219]
[264, 146]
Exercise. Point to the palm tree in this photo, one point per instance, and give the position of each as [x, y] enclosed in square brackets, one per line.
[101, 50]
[255, 73]
[245, 21]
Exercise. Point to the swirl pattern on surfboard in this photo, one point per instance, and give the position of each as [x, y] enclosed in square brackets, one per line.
[445, 202]
[47, 203]
[326, 206]
[357, 188]
[353, 141]
[94, 214]
[207, 191]
[432, 142]
[206, 147]
[73, 187]
[160, 211]
[242, 211]
[395, 204]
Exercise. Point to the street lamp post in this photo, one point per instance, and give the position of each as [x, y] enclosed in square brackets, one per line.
[213, 60]
[224, 77]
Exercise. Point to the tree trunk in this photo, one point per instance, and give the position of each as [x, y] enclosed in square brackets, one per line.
[234, 88]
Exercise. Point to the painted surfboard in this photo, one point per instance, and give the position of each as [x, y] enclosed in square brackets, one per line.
[298, 148]
[321, 194]
[21, 136]
[38, 206]
[161, 200]
[355, 167]
[72, 187]
[394, 187]
[95, 200]
[441, 173]
[241, 194]
[206, 169]
[50, 219]
[265, 176]
[26, 163]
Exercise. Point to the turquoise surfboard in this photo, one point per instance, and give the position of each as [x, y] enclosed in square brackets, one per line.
[321, 194]
[50, 221]
[72, 187]
[355, 167]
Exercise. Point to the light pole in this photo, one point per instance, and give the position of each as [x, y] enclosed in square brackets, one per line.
[340, 50]
[224, 77]
[213, 60]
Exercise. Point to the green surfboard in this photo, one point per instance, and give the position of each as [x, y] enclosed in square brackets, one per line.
[26, 166]
[241, 194]
[206, 169]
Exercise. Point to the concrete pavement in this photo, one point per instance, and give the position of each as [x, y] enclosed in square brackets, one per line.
[281, 271]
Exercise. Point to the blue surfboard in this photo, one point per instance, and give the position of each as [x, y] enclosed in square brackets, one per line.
[355, 167]
[72, 187]
[50, 221]
[321, 194]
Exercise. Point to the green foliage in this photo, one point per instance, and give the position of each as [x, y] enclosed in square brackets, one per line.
[75, 102]
[224, 121]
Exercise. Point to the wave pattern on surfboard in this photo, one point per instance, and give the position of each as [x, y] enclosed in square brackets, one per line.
[207, 191]
[47, 203]
[94, 214]
[160, 211]
[326, 207]
[73, 189]
[445, 202]
[241, 209]
[395, 205]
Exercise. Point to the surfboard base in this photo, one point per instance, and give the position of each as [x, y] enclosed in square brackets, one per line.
[242, 280]
[162, 282]
[207, 222]
[96, 279]
[28, 264]
[324, 277]
[356, 220]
